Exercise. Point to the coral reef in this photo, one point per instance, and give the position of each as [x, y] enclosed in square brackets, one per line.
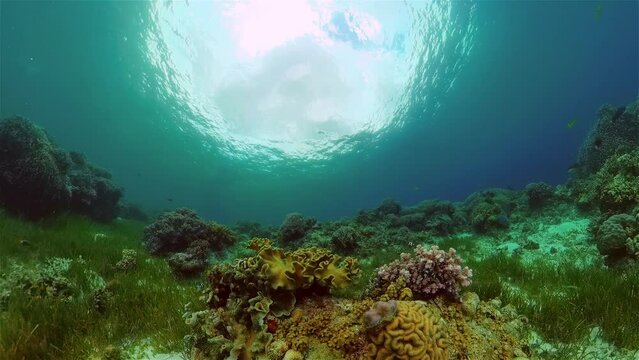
[44, 280]
[412, 334]
[617, 236]
[133, 212]
[436, 216]
[187, 239]
[387, 207]
[38, 179]
[128, 262]
[175, 231]
[33, 170]
[490, 210]
[346, 239]
[253, 229]
[221, 236]
[616, 184]
[333, 323]
[432, 272]
[616, 131]
[538, 194]
[279, 274]
[269, 284]
[295, 227]
[92, 190]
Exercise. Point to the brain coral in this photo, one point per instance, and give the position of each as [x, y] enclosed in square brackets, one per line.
[414, 334]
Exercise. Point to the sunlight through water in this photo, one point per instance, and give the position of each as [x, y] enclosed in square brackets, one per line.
[301, 80]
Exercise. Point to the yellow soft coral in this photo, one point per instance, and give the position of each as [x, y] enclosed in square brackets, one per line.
[414, 334]
[301, 268]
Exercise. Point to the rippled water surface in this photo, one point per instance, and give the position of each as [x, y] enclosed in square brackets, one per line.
[254, 109]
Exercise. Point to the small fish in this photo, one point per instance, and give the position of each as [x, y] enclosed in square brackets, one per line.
[169, 199]
[416, 188]
[571, 124]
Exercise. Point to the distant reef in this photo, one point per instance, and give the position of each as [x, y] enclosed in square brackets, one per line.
[38, 179]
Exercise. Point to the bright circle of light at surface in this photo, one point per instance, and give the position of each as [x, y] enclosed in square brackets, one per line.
[293, 78]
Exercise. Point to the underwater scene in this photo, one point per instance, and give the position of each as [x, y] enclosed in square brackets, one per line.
[319, 179]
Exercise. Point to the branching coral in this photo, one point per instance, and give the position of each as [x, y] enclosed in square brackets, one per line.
[432, 272]
[412, 334]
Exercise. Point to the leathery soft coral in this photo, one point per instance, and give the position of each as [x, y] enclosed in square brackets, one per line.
[430, 273]
[279, 274]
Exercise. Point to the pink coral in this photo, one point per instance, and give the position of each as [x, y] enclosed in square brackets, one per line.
[430, 273]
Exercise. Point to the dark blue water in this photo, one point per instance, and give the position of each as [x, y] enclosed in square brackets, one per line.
[82, 71]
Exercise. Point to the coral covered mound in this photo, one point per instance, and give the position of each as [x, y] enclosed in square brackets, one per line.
[413, 334]
[617, 182]
[32, 170]
[38, 179]
[177, 230]
[618, 236]
[295, 227]
[432, 272]
[617, 130]
[187, 239]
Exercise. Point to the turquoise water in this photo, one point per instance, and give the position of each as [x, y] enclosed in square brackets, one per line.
[409, 101]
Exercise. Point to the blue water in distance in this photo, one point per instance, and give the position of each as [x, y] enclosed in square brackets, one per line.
[82, 71]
